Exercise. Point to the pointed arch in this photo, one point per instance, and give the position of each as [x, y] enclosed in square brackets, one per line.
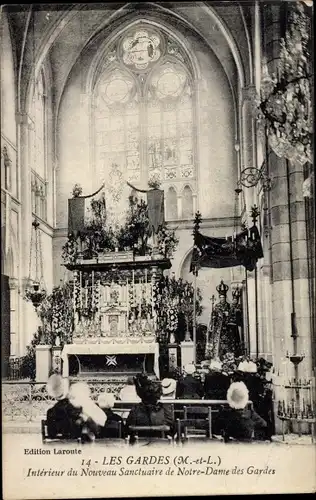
[187, 202]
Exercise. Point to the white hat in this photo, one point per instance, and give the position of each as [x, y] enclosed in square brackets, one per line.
[247, 367]
[79, 393]
[106, 400]
[189, 369]
[237, 395]
[168, 386]
[215, 365]
[91, 410]
[128, 393]
[57, 386]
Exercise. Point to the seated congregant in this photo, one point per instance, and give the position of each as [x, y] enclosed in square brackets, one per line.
[91, 418]
[106, 402]
[238, 421]
[128, 392]
[169, 386]
[260, 393]
[149, 412]
[216, 383]
[62, 417]
[189, 387]
[74, 415]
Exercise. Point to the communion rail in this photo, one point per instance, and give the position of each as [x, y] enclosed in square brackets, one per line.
[29, 401]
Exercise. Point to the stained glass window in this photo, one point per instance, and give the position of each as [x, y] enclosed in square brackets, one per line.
[143, 118]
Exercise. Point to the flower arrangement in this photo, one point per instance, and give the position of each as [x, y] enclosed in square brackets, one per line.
[133, 235]
[167, 241]
[70, 250]
[174, 306]
[56, 313]
[77, 190]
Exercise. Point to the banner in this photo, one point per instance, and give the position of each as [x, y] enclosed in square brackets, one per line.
[76, 213]
[155, 203]
[212, 252]
[76, 209]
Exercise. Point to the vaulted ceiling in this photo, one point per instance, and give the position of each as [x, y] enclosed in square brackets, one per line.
[59, 35]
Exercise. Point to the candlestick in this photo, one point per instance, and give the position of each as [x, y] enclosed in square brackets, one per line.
[127, 300]
[80, 285]
[86, 293]
[92, 289]
[74, 291]
[140, 298]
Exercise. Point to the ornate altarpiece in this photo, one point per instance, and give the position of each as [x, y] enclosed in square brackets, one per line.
[115, 319]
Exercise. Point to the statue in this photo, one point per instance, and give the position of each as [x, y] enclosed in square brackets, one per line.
[222, 335]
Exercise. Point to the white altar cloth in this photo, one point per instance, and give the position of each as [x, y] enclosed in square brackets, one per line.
[91, 349]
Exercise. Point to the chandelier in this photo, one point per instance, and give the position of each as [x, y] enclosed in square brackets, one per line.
[35, 290]
[284, 110]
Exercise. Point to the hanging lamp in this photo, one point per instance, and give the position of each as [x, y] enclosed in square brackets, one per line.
[35, 290]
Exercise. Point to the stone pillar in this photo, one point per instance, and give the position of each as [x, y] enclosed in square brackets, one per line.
[288, 240]
[187, 353]
[14, 309]
[24, 131]
[43, 362]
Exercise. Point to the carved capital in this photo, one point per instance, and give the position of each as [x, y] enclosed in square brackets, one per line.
[24, 119]
[248, 93]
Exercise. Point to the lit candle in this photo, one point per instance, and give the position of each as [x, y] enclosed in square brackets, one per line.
[86, 293]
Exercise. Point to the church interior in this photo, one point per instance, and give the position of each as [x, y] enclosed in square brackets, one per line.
[157, 200]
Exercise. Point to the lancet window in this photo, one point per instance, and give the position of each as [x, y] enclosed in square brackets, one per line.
[39, 167]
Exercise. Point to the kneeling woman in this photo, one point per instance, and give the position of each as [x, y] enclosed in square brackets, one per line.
[149, 412]
[74, 415]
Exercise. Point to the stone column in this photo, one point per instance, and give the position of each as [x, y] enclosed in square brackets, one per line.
[187, 353]
[43, 362]
[288, 240]
[24, 131]
[14, 309]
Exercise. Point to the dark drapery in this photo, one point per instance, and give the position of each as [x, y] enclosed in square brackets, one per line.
[76, 209]
[221, 252]
[155, 204]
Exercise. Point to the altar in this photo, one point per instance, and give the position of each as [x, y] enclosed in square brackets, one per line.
[114, 333]
[110, 360]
